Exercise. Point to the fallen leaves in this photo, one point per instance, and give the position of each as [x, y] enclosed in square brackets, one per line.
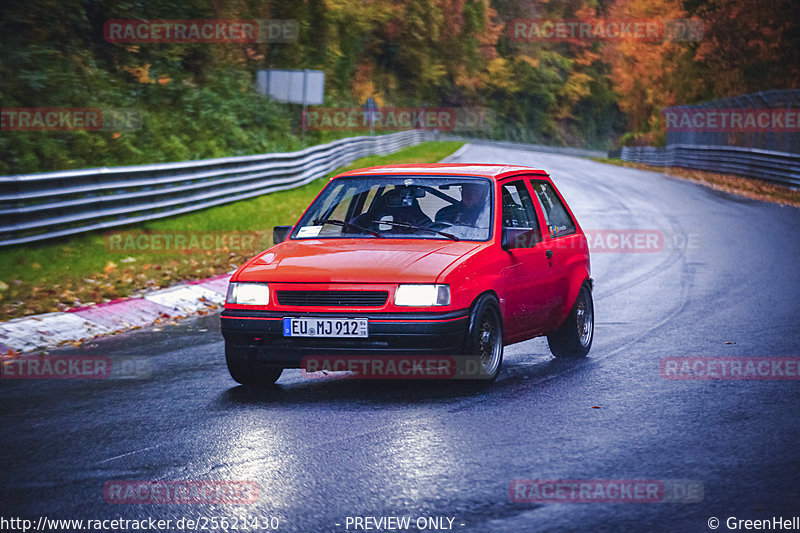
[53, 290]
[748, 187]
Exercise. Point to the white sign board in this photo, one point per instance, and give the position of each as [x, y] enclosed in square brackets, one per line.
[292, 86]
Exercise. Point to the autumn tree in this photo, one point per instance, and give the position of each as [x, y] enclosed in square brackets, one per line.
[748, 45]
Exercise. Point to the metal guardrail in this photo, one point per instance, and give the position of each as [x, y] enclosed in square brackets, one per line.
[777, 167]
[35, 207]
[776, 141]
[564, 150]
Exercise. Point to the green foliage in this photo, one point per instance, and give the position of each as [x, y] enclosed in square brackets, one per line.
[199, 101]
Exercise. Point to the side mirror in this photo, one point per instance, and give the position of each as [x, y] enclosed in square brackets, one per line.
[279, 233]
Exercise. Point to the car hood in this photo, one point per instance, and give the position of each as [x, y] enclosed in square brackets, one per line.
[355, 261]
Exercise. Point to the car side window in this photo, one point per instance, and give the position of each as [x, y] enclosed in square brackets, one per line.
[519, 213]
[556, 216]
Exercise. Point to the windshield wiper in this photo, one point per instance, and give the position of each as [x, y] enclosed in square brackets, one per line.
[344, 224]
[413, 226]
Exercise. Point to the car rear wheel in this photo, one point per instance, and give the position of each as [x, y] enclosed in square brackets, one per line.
[243, 368]
[485, 338]
[574, 337]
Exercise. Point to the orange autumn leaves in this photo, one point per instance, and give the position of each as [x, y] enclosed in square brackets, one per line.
[645, 74]
[746, 47]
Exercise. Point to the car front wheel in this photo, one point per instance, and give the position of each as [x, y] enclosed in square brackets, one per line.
[485, 338]
[574, 337]
[243, 368]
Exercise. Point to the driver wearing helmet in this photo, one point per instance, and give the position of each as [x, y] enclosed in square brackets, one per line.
[468, 209]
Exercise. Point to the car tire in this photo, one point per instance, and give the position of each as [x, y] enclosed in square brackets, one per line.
[243, 368]
[485, 339]
[574, 337]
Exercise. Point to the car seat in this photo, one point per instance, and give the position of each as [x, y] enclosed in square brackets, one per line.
[402, 205]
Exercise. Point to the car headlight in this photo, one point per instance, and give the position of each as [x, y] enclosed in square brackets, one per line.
[248, 294]
[422, 295]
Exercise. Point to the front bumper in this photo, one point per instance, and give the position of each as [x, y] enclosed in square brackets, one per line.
[421, 334]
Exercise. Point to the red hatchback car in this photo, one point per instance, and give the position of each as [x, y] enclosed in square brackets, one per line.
[415, 260]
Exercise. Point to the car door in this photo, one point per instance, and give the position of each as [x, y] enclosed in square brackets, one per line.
[562, 242]
[529, 298]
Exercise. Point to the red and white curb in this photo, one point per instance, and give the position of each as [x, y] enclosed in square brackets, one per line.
[51, 329]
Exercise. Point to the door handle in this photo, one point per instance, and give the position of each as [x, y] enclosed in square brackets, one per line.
[549, 253]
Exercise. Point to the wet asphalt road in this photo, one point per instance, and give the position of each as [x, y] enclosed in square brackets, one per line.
[725, 284]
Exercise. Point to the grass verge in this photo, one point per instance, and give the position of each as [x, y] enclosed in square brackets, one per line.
[748, 187]
[103, 266]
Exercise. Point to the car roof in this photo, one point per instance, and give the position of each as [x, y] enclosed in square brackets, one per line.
[448, 169]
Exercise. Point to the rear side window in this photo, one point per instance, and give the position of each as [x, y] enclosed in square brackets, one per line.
[556, 215]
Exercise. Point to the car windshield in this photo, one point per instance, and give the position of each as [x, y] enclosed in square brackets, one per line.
[408, 207]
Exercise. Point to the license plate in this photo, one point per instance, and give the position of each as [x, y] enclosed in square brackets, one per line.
[325, 327]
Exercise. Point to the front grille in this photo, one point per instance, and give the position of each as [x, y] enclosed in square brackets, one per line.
[332, 298]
